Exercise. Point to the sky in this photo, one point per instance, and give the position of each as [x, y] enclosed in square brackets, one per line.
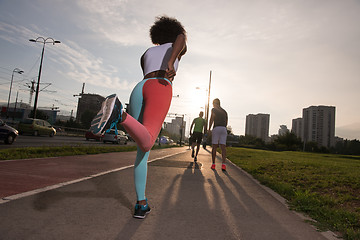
[275, 57]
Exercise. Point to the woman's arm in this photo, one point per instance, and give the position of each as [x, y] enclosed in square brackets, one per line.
[178, 46]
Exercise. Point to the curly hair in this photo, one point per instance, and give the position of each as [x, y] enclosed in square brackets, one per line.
[165, 30]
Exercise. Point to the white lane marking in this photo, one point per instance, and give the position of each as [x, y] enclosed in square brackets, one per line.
[44, 189]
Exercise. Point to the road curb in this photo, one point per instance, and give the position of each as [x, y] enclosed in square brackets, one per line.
[328, 234]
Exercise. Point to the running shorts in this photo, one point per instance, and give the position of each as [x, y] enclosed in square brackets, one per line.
[219, 135]
[197, 137]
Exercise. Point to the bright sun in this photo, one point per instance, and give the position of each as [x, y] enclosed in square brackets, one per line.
[199, 98]
[191, 101]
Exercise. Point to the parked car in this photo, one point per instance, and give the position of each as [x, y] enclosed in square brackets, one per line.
[89, 135]
[119, 138]
[130, 138]
[165, 140]
[7, 133]
[36, 127]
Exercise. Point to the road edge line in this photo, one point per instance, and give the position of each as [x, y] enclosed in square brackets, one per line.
[59, 185]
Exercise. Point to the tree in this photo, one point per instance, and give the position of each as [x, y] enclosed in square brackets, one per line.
[72, 124]
[288, 141]
[311, 147]
[229, 130]
[351, 147]
[251, 141]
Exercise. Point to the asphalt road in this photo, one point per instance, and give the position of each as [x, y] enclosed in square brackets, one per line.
[188, 200]
[57, 140]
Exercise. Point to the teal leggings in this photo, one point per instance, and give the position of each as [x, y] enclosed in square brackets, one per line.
[148, 106]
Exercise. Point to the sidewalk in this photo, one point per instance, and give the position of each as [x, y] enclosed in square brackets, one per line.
[189, 201]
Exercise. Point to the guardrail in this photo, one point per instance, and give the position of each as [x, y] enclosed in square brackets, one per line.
[60, 130]
[68, 131]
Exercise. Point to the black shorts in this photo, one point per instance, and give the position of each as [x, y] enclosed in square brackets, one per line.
[197, 137]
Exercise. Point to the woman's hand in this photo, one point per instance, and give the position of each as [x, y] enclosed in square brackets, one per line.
[170, 72]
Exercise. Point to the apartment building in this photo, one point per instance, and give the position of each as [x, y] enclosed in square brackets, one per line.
[319, 125]
[257, 125]
[297, 128]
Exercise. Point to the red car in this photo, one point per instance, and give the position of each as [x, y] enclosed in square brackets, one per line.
[89, 135]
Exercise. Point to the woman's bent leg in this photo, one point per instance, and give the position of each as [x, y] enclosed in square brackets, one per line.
[138, 132]
[149, 104]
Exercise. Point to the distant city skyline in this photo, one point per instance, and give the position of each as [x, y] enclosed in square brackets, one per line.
[253, 119]
[296, 127]
[274, 57]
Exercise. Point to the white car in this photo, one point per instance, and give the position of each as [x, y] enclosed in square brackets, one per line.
[119, 138]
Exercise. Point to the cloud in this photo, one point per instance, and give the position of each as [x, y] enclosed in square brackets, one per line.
[72, 60]
[117, 21]
[14, 33]
[81, 65]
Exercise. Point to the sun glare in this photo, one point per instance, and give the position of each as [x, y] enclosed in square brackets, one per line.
[199, 98]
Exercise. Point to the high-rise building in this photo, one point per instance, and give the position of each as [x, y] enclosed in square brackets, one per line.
[319, 125]
[257, 125]
[88, 102]
[175, 126]
[297, 127]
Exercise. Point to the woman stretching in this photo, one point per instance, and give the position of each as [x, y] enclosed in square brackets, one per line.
[149, 101]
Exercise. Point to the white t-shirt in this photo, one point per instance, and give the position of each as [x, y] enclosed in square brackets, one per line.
[156, 58]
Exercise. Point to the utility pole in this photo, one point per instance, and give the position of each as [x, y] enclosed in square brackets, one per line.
[79, 102]
[207, 107]
[16, 70]
[17, 94]
[43, 41]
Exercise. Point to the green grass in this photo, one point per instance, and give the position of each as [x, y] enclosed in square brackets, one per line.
[41, 152]
[325, 187]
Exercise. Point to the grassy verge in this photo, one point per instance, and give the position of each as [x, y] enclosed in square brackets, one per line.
[41, 152]
[323, 186]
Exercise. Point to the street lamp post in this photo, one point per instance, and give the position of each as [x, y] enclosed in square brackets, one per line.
[43, 41]
[207, 106]
[16, 70]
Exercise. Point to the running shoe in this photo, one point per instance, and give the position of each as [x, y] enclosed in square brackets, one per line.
[108, 116]
[223, 167]
[141, 210]
[213, 166]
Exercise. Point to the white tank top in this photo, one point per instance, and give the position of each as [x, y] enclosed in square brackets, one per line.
[156, 58]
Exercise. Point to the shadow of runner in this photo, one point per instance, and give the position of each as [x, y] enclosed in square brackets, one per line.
[189, 208]
[252, 220]
[194, 165]
[105, 187]
[129, 229]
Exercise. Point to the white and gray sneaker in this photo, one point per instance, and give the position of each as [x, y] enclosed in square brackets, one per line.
[108, 116]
